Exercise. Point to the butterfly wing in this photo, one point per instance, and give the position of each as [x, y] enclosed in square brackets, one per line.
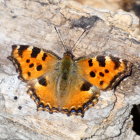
[32, 62]
[88, 75]
[39, 69]
[104, 71]
[80, 95]
[93, 74]
[43, 92]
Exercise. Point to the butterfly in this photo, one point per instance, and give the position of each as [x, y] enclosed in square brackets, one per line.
[68, 85]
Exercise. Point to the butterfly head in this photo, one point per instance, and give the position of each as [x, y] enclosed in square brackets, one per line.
[68, 53]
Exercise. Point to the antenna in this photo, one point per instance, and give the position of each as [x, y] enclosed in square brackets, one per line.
[78, 40]
[59, 35]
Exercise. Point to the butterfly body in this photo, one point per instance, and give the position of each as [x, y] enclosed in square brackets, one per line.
[65, 79]
[66, 84]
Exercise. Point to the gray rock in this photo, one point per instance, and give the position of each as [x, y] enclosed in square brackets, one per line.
[108, 33]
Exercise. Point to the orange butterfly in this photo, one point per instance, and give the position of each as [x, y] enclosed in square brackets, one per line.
[66, 84]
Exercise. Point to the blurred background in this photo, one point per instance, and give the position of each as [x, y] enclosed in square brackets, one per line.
[114, 5]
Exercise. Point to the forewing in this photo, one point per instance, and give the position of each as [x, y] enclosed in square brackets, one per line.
[32, 62]
[104, 71]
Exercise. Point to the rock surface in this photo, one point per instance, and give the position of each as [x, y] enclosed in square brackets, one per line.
[109, 33]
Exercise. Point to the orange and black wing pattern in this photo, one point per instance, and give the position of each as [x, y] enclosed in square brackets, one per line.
[104, 71]
[32, 62]
[37, 68]
[42, 70]
[80, 95]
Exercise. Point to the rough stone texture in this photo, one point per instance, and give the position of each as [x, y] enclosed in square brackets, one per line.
[32, 22]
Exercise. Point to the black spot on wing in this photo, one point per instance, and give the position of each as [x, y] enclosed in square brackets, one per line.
[21, 49]
[39, 67]
[106, 71]
[29, 74]
[86, 86]
[101, 83]
[42, 82]
[101, 74]
[92, 74]
[90, 63]
[28, 61]
[101, 60]
[35, 52]
[31, 65]
[44, 56]
[116, 62]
